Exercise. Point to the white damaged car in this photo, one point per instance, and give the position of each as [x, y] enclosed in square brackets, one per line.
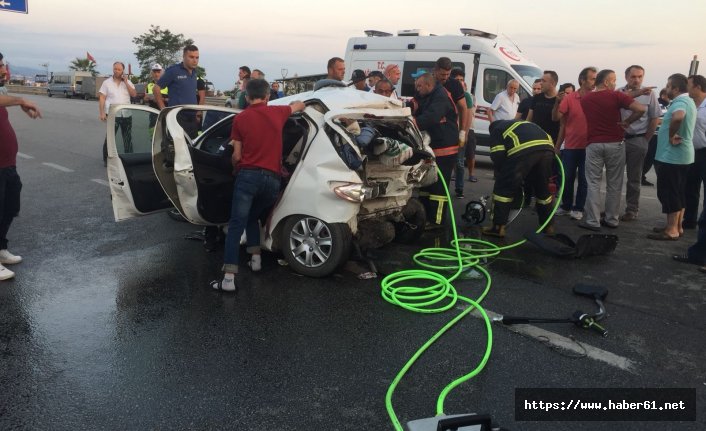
[335, 190]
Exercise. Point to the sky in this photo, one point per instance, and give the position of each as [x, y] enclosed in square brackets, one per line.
[301, 36]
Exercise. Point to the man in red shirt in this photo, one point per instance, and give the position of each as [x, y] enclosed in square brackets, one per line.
[10, 184]
[257, 157]
[567, 110]
[605, 147]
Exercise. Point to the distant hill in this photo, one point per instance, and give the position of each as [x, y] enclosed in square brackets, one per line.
[26, 71]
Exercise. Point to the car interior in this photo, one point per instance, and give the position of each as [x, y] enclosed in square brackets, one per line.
[213, 172]
[396, 129]
[138, 163]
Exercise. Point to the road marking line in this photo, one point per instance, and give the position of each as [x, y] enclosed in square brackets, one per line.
[566, 343]
[25, 156]
[58, 167]
[103, 182]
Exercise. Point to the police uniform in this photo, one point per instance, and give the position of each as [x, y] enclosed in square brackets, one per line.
[164, 91]
[522, 153]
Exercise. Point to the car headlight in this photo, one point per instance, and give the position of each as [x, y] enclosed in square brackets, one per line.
[352, 192]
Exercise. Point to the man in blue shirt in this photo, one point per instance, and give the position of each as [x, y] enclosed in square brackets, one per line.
[675, 152]
[181, 80]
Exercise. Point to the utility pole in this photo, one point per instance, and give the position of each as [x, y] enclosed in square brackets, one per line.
[694, 66]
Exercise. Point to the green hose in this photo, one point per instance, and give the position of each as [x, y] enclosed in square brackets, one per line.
[438, 293]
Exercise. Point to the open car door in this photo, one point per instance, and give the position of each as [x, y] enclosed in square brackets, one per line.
[133, 184]
[196, 171]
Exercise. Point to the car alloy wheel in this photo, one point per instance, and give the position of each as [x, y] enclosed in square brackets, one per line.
[313, 247]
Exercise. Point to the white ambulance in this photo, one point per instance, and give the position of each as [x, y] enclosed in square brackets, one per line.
[489, 62]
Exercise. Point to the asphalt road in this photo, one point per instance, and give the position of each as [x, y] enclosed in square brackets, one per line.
[111, 326]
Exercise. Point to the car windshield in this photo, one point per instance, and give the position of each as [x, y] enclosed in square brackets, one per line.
[528, 73]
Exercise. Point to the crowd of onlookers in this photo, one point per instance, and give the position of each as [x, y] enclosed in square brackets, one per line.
[238, 95]
[596, 127]
[665, 129]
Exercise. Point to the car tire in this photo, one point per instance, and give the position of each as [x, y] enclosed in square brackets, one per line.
[412, 228]
[313, 247]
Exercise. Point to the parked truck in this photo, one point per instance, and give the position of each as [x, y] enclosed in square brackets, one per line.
[90, 86]
[68, 84]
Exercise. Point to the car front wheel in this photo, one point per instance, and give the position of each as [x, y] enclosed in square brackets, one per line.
[313, 247]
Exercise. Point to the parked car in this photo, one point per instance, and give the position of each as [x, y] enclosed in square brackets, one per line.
[333, 192]
[232, 100]
[139, 98]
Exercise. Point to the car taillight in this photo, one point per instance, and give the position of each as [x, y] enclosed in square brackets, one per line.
[353, 192]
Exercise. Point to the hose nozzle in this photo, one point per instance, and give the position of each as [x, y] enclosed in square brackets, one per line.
[583, 320]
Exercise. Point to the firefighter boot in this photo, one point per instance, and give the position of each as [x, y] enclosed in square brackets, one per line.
[496, 230]
[549, 230]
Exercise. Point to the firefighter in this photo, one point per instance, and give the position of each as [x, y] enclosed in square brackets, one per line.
[522, 153]
[435, 113]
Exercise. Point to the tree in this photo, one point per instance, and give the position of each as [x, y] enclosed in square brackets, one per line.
[159, 46]
[84, 64]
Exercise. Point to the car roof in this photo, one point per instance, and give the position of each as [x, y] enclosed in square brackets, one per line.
[335, 98]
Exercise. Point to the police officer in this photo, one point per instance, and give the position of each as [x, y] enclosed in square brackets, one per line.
[155, 74]
[521, 152]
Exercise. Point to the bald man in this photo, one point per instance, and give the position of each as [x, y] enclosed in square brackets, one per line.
[435, 113]
[505, 103]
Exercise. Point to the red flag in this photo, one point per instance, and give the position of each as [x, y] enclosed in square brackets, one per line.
[89, 57]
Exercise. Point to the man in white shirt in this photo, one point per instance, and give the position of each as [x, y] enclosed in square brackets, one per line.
[504, 106]
[637, 137]
[117, 91]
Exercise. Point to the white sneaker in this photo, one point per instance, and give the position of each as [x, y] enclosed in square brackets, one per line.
[576, 215]
[5, 274]
[7, 258]
[561, 212]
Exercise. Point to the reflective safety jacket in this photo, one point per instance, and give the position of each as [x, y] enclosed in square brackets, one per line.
[150, 87]
[514, 138]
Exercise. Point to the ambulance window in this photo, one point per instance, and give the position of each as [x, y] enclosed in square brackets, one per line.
[494, 82]
[528, 73]
[414, 68]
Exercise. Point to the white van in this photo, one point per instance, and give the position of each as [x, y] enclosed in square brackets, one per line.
[488, 60]
[67, 84]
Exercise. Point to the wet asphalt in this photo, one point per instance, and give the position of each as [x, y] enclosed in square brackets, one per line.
[111, 326]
